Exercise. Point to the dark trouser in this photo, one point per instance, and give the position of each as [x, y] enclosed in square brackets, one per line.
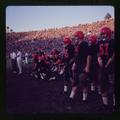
[67, 72]
[94, 73]
[66, 75]
[14, 64]
[77, 71]
[112, 78]
[103, 79]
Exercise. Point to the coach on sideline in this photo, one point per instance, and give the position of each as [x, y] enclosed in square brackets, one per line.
[13, 61]
[19, 60]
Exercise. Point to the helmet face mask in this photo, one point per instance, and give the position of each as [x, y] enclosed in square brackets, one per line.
[75, 37]
[104, 36]
[89, 42]
[92, 39]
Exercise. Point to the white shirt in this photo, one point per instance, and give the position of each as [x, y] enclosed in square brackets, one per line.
[13, 55]
[19, 55]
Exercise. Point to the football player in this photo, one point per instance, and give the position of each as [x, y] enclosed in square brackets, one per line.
[68, 61]
[105, 58]
[80, 66]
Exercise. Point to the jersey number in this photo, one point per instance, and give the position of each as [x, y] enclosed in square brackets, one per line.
[103, 49]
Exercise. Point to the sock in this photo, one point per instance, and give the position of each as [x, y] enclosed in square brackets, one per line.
[72, 94]
[65, 88]
[84, 96]
[36, 76]
[41, 75]
[105, 100]
[92, 87]
[99, 90]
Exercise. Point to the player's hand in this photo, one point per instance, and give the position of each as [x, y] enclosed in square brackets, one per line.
[87, 70]
[109, 61]
[100, 62]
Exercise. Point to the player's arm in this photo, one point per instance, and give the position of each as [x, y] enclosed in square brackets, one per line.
[100, 61]
[87, 68]
[89, 59]
[111, 59]
[112, 56]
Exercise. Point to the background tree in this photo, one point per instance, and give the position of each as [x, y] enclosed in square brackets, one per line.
[108, 16]
[7, 28]
[11, 30]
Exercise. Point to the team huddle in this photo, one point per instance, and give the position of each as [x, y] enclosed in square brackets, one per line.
[83, 63]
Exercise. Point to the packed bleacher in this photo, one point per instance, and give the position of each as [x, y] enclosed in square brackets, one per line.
[48, 39]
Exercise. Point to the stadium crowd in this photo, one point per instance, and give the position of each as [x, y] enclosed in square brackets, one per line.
[51, 38]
